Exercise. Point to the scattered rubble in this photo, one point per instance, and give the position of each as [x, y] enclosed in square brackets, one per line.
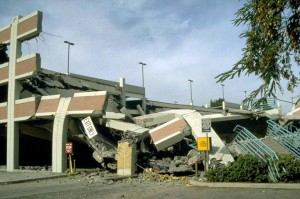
[165, 141]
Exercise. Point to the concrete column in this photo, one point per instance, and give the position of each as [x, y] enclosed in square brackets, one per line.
[60, 130]
[126, 165]
[123, 92]
[13, 94]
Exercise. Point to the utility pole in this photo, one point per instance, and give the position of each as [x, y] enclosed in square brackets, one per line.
[223, 91]
[191, 91]
[69, 44]
[143, 64]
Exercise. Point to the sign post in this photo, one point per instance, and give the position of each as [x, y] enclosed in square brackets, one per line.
[204, 143]
[69, 151]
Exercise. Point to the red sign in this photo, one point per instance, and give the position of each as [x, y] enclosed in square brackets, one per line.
[69, 147]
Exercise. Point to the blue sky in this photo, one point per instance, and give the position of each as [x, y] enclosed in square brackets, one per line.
[177, 39]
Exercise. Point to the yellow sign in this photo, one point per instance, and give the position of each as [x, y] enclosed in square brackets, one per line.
[204, 143]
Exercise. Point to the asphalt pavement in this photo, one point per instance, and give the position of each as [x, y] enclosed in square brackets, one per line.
[20, 176]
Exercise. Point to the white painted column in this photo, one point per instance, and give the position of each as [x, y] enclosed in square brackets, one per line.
[60, 130]
[13, 94]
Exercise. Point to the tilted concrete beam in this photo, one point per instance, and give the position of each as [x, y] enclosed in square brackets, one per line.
[131, 131]
[219, 150]
[169, 133]
[154, 119]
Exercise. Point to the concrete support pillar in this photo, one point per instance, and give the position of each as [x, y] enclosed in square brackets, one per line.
[127, 156]
[60, 130]
[13, 94]
[123, 91]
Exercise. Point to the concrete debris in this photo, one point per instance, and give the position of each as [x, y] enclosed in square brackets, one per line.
[196, 158]
[169, 133]
[214, 163]
[164, 141]
[167, 165]
[36, 168]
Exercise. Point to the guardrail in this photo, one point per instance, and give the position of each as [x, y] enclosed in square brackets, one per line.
[287, 139]
[250, 144]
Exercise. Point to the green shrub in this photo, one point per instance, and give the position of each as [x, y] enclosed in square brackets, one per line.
[245, 169]
[292, 167]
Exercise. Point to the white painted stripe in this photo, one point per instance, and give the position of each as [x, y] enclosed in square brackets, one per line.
[85, 94]
[3, 104]
[5, 27]
[29, 99]
[4, 65]
[45, 114]
[3, 121]
[24, 75]
[22, 118]
[50, 97]
[28, 16]
[26, 57]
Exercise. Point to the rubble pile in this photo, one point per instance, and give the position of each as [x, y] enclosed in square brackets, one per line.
[147, 176]
[164, 141]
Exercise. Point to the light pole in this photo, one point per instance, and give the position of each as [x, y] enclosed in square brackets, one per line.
[223, 91]
[245, 94]
[143, 64]
[69, 44]
[191, 91]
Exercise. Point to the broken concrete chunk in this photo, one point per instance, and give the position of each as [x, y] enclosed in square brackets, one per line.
[194, 159]
[169, 133]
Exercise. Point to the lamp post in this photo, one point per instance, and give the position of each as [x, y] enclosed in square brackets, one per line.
[143, 64]
[223, 91]
[191, 91]
[69, 44]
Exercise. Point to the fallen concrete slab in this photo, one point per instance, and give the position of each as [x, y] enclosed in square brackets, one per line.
[169, 133]
[131, 131]
[154, 119]
[219, 150]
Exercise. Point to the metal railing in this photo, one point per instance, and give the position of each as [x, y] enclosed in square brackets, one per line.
[284, 137]
[250, 144]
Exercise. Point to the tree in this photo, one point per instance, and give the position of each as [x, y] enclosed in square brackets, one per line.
[272, 39]
[216, 103]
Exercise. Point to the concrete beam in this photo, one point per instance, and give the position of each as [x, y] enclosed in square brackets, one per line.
[4, 73]
[48, 106]
[127, 157]
[219, 150]
[169, 133]
[154, 119]
[25, 108]
[3, 112]
[35, 132]
[130, 130]
[227, 117]
[88, 103]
